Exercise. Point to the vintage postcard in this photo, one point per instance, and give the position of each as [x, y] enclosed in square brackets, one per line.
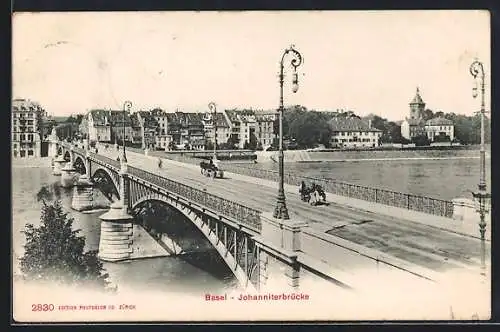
[251, 166]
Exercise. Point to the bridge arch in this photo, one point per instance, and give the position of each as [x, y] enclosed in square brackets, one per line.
[79, 165]
[195, 218]
[109, 176]
[67, 155]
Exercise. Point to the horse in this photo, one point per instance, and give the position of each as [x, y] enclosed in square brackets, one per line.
[313, 195]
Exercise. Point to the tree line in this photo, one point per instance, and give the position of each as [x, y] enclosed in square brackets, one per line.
[308, 128]
[467, 129]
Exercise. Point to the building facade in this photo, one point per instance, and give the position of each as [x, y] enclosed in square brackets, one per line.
[149, 129]
[246, 124]
[352, 132]
[25, 128]
[223, 128]
[440, 129]
[264, 127]
[99, 128]
[415, 125]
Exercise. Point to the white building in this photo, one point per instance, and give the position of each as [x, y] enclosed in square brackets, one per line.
[223, 128]
[352, 132]
[162, 120]
[162, 142]
[245, 123]
[416, 126]
[411, 128]
[439, 127]
[264, 127]
[99, 128]
[25, 133]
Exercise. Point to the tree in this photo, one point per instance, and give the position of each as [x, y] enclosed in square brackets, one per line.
[40, 116]
[310, 128]
[54, 252]
[428, 114]
[421, 140]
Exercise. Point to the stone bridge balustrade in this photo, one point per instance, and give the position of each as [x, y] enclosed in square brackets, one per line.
[279, 243]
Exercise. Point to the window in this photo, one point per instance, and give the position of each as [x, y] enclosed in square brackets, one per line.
[30, 152]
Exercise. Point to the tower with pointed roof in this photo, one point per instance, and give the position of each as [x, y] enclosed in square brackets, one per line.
[417, 106]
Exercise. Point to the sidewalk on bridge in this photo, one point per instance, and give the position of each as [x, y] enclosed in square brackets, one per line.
[459, 227]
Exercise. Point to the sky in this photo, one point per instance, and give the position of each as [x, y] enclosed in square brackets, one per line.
[364, 61]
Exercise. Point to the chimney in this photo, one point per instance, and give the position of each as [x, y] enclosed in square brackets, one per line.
[369, 124]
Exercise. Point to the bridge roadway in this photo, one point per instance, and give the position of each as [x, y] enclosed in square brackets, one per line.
[416, 243]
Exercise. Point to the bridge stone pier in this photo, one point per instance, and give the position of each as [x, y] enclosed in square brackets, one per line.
[116, 239]
[82, 194]
[59, 163]
[68, 172]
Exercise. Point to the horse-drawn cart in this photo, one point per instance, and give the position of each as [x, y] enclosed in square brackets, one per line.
[211, 169]
[314, 195]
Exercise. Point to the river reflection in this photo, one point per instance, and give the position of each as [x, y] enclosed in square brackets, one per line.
[194, 273]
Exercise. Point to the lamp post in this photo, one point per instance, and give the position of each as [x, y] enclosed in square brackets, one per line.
[213, 108]
[477, 71]
[281, 211]
[126, 108]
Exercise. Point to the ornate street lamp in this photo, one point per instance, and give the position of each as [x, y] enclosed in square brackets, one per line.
[482, 197]
[126, 108]
[281, 211]
[213, 108]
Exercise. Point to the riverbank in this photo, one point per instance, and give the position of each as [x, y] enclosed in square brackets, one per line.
[293, 156]
[31, 162]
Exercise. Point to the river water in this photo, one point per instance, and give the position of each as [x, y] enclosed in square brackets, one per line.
[194, 273]
[442, 174]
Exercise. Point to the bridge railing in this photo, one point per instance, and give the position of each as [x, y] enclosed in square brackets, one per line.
[418, 203]
[241, 214]
[105, 160]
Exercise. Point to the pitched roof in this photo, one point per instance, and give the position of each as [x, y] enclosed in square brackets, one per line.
[149, 119]
[221, 119]
[350, 124]
[99, 116]
[439, 121]
[158, 112]
[114, 117]
[417, 99]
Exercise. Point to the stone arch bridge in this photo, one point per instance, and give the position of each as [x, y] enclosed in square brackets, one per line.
[263, 252]
[235, 231]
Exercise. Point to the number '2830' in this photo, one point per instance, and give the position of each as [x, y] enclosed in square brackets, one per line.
[42, 307]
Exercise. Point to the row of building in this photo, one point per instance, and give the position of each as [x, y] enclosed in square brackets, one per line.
[161, 130]
[157, 129]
